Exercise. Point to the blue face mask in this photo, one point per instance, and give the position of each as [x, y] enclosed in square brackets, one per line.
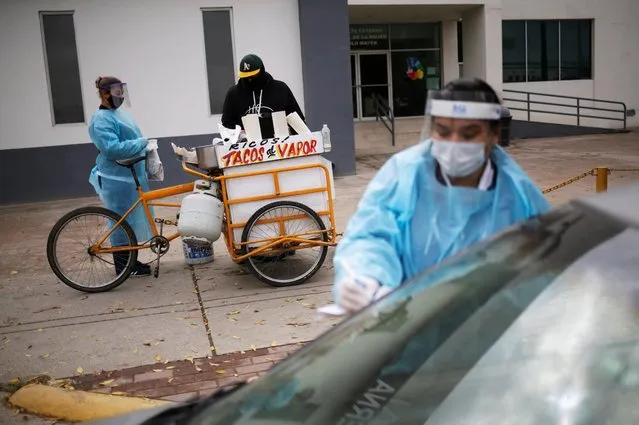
[459, 159]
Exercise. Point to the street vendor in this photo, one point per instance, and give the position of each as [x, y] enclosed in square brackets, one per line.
[430, 201]
[257, 92]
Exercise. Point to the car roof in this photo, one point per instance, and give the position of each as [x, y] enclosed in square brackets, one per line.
[620, 203]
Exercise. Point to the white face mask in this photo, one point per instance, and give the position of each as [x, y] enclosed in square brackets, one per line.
[459, 159]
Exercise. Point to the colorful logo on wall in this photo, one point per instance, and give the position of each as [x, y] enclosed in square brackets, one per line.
[415, 70]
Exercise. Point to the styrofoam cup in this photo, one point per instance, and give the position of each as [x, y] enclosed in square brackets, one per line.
[297, 123]
[252, 127]
[280, 125]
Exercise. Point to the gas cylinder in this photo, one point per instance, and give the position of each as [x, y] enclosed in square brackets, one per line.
[201, 213]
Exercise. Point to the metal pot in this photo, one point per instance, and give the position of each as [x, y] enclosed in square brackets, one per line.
[206, 157]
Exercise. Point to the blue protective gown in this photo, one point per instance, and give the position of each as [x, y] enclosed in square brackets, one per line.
[407, 221]
[117, 137]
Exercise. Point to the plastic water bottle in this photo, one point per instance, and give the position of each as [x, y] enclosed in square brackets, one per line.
[326, 138]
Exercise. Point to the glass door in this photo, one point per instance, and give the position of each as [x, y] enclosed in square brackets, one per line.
[370, 77]
[414, 73]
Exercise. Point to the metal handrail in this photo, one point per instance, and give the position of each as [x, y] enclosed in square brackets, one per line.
[383, 110]
[578, 106]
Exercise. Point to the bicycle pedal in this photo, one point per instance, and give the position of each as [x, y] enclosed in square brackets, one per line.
[166, 221]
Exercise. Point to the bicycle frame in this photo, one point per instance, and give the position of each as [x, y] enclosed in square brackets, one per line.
[235, 248]
[146, 199]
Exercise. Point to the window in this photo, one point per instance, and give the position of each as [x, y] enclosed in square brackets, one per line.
[576, 50]
[547, 50]
[460, 42]
[414, 36]
[63, 71]
[218, 45]
[513, 47]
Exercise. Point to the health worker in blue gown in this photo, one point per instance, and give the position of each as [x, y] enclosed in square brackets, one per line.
[428, 202]
[117, 137]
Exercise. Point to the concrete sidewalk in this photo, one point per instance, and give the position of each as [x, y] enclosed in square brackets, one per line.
[46, 327]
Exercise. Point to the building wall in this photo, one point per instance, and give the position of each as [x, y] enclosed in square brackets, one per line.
[615, 52]
[326, 64]
[158, 47]
[155, 46]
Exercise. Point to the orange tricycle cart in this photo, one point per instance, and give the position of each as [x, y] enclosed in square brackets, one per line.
[278, 203]
[271, 199]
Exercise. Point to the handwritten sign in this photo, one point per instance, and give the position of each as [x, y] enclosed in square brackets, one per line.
[253, 152]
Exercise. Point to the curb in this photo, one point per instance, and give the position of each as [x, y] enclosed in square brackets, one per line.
[77, 406]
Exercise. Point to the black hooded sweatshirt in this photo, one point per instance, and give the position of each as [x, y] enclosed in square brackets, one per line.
[261, 95]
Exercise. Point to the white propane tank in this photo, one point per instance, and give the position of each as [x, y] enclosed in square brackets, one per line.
[201, 213]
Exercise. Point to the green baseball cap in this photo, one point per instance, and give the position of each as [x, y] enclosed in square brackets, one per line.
[250, 65]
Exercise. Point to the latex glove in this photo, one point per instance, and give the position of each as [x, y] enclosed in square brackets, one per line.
[151, 145]
[355, 293]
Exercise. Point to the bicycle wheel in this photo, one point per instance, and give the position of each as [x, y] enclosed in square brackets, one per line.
[94, 223]
[288, 263]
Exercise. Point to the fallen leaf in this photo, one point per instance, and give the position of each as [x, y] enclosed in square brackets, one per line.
[198, 369]
[253, 347]
[299, 299]
[232, 319]
[308, 305]
[165, 361]
[118, 393]
[44, 356]
[170, 380]
[234, 312]
[260, 322]
[170, 367]
[220, 372]
[214, 364]
[14, 272]
[158, 357]
[190, 359]
[297, 324]
[212, 348]
[80, 370]
[136, 351]
[289, 300]
[178, 302]
[273, 344]
[236, 337]
[158, 370]
[14, 381]
[108, 382]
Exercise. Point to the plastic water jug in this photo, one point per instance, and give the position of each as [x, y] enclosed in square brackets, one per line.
[201, 214]
[326, 138]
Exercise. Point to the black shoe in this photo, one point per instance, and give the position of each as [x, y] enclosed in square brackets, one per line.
[141, 270]
[120, 260]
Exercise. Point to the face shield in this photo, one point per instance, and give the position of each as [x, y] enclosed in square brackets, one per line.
[118, 95]
[458, 105]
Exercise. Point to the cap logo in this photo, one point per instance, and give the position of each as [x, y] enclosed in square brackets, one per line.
[246, 66]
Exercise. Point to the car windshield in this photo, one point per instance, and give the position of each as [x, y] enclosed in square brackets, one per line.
[537, 325]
